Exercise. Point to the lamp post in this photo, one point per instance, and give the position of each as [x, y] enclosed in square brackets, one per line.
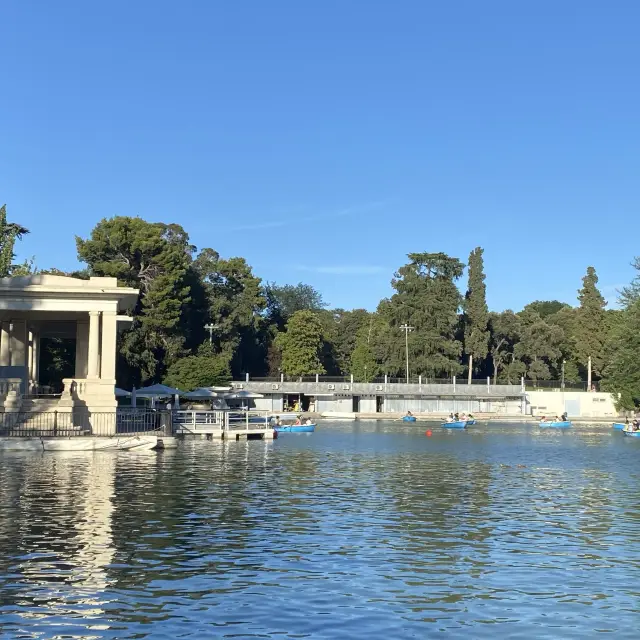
[562, 382]
[211, 328]
[406, 328]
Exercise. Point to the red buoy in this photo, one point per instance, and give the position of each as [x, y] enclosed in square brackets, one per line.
[428, 433]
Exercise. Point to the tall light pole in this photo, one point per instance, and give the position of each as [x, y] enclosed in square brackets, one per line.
[211, 328]
[406, 328]
[562, 383]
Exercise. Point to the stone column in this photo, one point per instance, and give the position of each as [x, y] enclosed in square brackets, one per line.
[82, 349]
[29, 360]
[108, 351]
[94, 344]
[18, 343]
[5, 348]
[36, 358]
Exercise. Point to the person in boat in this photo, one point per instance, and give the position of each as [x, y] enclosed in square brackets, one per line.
[544, 419]
[463, 417]
[457, 417]
[308, 421]
[278, 421]
[564, 417]
[409, 414]
[471, 416]
[450, 418]
[635, 426]
[298, 422]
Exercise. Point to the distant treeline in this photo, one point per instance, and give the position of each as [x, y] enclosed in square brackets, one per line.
[267, 329]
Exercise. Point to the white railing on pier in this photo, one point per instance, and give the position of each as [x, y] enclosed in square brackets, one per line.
[228, 420]
[251, 420]
[199, 420]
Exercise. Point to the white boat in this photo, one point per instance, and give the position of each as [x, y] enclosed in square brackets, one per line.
[115, 443]
[338, 415]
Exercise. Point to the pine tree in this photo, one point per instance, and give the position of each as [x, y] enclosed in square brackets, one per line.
[590, 324]
[427, 299]
[9, 233]
[631, 293]
[476, 316]
[301, 345]
[155, 258]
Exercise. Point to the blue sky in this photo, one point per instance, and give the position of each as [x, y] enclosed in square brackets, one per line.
[325, 140]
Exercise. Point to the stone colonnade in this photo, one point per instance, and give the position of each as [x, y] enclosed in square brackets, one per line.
[96, 337]
[96, 334]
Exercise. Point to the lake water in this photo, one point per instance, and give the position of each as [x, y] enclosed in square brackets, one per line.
[361, 530]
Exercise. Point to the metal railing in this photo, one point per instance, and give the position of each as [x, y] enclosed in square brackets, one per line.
[559, 385]
[40, 424]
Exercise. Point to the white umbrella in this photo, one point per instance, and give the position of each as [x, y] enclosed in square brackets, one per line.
[203, 392]
[121, 393]
[242, 395]
[157, 391]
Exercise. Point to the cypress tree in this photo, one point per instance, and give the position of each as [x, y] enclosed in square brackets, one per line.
[301, 344]
[476, 313]
[590, 325]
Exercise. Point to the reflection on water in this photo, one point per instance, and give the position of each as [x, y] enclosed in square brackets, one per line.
[369, 530]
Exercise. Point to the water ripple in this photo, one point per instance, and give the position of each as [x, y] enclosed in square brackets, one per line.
[368, 531]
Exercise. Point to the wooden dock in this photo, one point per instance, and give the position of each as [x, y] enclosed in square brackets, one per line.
[219, 425]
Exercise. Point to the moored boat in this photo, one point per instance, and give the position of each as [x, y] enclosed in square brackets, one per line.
[564, 424]
[460, 424]
[296, 428]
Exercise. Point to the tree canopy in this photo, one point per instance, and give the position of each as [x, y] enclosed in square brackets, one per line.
[202, 319]
[301, 345]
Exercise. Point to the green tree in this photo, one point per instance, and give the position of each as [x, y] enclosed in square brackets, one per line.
[205, 369]
[9, 233]
[545, 308]
[282, 301]
[631, 293]
[301, 344]
[504, 331]
[364, 364]
[236, 303]
[156, 258]
[427, 299]
[590, 327]
[476, 313]
[622, 374]
[539, 346]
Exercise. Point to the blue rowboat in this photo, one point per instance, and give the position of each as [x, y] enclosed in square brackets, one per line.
[631, 434]
[408, 418]
[296, 428]
[618, 425]
[461, 424]
[470, 423]
[558, 425]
